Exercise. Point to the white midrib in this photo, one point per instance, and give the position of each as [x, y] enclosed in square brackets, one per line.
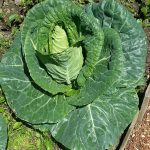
[67, 75]
[91, 117]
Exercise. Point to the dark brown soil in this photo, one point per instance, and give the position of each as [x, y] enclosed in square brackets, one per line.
[140, 137]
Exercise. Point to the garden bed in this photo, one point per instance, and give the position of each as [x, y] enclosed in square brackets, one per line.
[138, 134]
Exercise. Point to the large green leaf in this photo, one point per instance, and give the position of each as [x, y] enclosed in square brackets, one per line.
[40, 29]
[3, 133]
[107, 71]
[99, 125]
[46, 82]
[25, 98]
[35, 18]
[35, 37]
[113, 15]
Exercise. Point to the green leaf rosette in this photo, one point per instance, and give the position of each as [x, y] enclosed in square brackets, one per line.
[73, 71]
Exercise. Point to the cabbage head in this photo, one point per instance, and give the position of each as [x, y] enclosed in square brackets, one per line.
[73, 71]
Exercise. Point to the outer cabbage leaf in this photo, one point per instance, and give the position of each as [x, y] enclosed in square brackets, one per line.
[36, 23]
[99, 125]
[46, 82]
[113, 15]
[107, 71]
[3, 133]
[25, 98]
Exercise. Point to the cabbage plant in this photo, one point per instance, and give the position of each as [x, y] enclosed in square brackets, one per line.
[72, 71]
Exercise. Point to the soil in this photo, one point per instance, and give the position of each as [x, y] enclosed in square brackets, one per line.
[140, 137]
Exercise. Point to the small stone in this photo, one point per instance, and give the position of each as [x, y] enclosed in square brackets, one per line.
[133, 135]
[143, 136]
[17, 2]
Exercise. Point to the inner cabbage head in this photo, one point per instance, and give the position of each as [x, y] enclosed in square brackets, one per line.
[63, 62]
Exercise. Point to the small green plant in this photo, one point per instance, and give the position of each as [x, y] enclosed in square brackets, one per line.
[13, 19]
[5, 41]
[1, 14]
[145, 9]
[145, 12]
[26, 3]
